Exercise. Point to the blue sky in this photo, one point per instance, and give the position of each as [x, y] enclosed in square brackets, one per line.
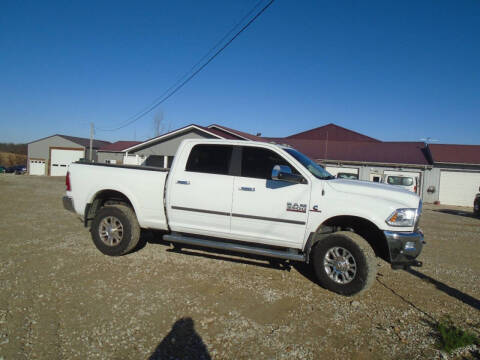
[393, 70]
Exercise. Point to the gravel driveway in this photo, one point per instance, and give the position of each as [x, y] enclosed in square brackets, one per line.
[62, 299]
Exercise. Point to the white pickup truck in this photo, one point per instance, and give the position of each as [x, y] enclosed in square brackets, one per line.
[255, 198]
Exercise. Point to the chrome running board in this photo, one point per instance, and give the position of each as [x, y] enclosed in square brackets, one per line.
[234, 247]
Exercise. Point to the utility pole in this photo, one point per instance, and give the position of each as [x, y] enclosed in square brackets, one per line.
[91, 140]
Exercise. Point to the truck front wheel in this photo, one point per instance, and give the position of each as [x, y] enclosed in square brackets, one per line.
[344, 262]
[115, 230]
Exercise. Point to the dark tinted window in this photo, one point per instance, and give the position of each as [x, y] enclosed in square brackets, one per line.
[258, 163]
[212, 159]
[155, 160]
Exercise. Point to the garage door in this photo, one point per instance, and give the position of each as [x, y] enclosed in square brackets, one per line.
[36, 167]
[458, 188]
[61, 158]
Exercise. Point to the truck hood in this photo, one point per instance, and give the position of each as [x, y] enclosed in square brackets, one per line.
[391, 193]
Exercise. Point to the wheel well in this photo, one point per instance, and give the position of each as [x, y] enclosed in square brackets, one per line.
[363, 227]
[104, 198]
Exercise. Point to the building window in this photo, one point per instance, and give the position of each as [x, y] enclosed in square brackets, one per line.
[155, 160]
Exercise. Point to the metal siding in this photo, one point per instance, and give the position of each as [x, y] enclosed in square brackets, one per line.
[334, 170]
[169, 146]
[103, 156]
[41, 149]
[363, 173]
[431, 178]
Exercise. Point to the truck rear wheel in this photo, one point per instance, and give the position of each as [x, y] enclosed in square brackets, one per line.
[115, 230]
[344, 262]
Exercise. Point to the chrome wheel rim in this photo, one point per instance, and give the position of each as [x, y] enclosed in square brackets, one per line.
[340, 265]
[111, 231]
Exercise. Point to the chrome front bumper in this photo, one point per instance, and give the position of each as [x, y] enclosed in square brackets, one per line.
[404, 247]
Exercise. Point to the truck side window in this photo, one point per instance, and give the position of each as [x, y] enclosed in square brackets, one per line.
[211, 159]
[258, 162]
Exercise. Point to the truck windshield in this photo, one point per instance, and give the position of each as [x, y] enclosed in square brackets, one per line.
[315, 169]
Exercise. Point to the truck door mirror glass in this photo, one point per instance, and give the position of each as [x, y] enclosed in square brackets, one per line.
[284, 173]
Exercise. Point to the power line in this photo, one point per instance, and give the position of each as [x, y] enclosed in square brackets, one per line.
[194, 66]
[181, 83]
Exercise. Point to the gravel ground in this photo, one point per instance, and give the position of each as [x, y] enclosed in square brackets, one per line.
[62, 299]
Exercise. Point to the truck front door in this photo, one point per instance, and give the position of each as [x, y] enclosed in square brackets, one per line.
[264, 210]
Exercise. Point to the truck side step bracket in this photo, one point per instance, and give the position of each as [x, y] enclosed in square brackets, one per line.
[234, 247]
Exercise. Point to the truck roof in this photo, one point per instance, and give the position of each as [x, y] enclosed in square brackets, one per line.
[237, 142]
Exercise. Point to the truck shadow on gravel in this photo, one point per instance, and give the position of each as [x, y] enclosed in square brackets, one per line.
[304, 269]
[457, 294]
[456, 212]
[215, 254]
[429, 320]
[182, 342]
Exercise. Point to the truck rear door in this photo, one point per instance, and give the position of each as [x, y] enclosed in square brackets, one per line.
[200, 193]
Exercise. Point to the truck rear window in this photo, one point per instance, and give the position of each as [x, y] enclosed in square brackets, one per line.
[400, 180]
[211, 159]
[350, 176]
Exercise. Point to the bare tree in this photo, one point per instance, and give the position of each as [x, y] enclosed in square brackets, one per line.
[158, 124]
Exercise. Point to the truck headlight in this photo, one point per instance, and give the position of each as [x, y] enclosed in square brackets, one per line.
[402, 217]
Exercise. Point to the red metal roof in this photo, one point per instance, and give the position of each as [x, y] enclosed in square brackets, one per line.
[332, 132]
[342, 145]
[119, 146]
[455, 154]
[370, 152]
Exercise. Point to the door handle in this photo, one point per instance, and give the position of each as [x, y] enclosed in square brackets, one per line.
[245, 188]
[183, 182]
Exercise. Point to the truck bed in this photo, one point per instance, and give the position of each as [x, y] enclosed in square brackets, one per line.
[144, 186]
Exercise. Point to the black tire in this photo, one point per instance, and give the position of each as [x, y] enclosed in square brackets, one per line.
[476, 208]
[356, 270]
[125, 234]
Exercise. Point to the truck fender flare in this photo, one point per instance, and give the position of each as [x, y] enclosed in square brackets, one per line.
[94, 195]
[325, 229]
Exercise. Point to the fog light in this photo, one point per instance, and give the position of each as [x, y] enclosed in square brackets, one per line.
[410, 245]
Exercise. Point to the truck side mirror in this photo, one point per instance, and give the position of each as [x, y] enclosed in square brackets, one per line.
[284, 173]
